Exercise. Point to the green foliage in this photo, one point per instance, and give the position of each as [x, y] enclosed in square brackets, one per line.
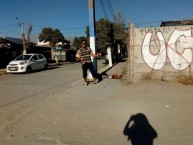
[52, 36]
[120, 36]
[110, 34]
[77, 42]
[107, 34]
[118, 32]
[103, 34]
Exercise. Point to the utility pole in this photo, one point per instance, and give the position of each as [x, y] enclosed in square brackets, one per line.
[91, 5]
[22, 35]
[117, 21]
[28, 36]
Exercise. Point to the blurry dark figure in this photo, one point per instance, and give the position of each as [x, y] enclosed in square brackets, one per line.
[139, 131]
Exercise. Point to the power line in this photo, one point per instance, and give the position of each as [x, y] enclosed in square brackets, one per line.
[107, 8]
[110, 8]
[104, 9]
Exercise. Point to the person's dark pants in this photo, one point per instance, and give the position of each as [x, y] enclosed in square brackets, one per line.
[89, 66]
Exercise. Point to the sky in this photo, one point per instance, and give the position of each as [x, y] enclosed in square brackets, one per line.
[72, 16]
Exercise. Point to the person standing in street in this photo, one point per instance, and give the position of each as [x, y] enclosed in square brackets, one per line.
[84, 56]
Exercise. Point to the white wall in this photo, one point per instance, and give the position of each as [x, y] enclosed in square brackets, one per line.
[161, 51]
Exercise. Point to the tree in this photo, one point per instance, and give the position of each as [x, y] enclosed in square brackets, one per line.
[28, 37]
[77, 41]
[52, 36]
[119, 18]
[119, 36]
[110, 34]
[26, 43]
[103, 34]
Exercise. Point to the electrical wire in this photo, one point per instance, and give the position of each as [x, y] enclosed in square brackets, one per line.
[104, 9]
[110, 8]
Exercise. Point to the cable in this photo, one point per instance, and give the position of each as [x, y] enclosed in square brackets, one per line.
[110, 8]
[104, 9]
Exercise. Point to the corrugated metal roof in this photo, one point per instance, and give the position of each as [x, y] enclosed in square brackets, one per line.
[15, 40]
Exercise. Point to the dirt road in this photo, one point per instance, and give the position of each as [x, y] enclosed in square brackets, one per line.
[97, 115]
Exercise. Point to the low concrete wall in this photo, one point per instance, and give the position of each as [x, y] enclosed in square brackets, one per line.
[160, 52]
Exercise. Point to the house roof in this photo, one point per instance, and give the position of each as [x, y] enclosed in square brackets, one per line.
[15, 40]
[176, 23]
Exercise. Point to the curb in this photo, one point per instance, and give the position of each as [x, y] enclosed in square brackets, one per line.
[3, 71]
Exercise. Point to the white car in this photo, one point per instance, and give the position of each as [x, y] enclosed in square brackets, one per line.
[27, 63]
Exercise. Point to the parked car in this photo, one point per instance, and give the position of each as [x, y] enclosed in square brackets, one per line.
[27, 63]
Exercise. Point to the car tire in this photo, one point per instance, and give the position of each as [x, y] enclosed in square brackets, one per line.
[28, 70]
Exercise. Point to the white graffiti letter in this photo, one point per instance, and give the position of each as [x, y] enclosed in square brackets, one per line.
[179, 61]
[154, 61]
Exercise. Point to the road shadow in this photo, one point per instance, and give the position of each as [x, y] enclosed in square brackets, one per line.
[139, 130]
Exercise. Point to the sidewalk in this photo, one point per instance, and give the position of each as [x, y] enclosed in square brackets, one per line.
[3, 71]
[118, 70]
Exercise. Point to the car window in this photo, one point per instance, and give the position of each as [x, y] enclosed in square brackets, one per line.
[23, 57]
[40, 57]
[35, 57]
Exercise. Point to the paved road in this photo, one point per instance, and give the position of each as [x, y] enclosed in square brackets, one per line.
[66, 113]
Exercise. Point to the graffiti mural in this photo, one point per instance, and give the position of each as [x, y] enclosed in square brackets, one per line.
[178, 50]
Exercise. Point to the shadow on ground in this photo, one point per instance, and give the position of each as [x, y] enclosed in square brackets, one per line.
[139, 130]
